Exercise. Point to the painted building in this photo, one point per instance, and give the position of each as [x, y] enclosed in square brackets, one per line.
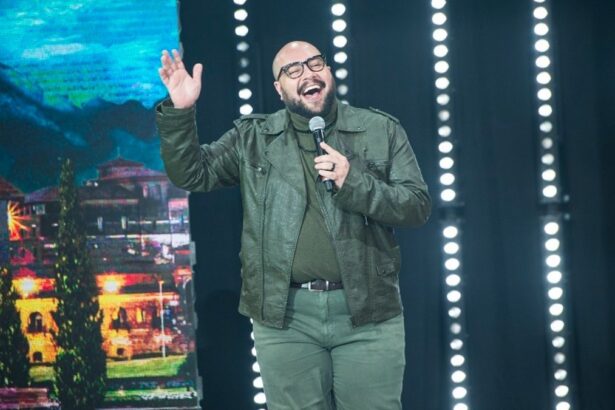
[138, 237]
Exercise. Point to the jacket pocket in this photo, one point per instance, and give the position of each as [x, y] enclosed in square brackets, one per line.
[386, 268]
[379, 169]
[259, 169]
[253, 181]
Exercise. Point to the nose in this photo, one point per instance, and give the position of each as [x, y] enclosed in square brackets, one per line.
[309, 75]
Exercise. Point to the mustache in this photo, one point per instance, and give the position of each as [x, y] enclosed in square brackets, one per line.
[308, 83]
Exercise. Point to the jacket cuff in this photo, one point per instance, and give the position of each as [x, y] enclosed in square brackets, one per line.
[170, 118]
[345, 194]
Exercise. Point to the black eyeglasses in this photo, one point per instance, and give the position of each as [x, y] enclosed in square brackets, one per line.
[295, 70]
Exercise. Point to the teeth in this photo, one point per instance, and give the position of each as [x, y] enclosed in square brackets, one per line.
[310, 88]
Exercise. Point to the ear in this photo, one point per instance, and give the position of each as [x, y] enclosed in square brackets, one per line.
[278, 88]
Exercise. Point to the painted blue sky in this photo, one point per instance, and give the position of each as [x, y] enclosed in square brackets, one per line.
[79, 79]
[77, 51]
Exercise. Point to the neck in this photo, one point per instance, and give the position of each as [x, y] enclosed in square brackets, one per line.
[301, 123]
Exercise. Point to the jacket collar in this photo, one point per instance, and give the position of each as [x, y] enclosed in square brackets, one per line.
[348, 120]
[276, 123]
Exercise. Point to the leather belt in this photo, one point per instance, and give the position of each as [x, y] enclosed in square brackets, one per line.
[318, 285]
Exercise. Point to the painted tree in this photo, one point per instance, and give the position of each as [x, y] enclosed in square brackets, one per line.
[14, 364]
[80, 367]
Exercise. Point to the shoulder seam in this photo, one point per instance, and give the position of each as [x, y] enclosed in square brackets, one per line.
[253, 117]
[385, 114]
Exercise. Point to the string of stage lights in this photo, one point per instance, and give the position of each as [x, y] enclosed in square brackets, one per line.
[450, 205]
[244, 62]
[341, 56]
[552, 199]
[245, 73]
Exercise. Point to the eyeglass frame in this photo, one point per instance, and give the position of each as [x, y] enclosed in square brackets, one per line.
[284, 69]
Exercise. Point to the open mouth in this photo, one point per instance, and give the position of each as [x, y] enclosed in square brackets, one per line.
[312, 91]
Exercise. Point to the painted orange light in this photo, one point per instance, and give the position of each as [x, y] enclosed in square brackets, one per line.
[15, 221]
[26, 286]
[111, 285]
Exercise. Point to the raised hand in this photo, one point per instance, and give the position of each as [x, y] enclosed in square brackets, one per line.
[183, 89]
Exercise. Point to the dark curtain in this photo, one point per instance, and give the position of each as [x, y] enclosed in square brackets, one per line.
[495, 126]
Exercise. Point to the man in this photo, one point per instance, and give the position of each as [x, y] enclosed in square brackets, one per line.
[319, 269]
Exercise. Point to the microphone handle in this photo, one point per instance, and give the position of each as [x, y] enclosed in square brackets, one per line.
[319, 136]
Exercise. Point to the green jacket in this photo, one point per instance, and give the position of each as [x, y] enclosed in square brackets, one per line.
[384, 188]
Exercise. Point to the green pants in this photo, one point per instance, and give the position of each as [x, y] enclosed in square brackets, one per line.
[319, 361]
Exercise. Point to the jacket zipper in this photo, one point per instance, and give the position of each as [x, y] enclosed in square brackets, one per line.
[262, 247]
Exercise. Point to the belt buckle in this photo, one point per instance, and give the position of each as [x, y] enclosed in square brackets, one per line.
[318, 290]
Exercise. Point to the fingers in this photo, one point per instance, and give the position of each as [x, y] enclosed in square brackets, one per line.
[163, 76]
[331, 156]
[332, 165]
[177, 60]
[197, 72]
[328, 174]
[171, 64]
[328, 161]
[176, 55]
[166, 61]
[166, 70]
[325, 158]
[325, 166]
[330, 150]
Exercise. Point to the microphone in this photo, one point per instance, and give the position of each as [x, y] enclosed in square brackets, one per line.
[317, 126]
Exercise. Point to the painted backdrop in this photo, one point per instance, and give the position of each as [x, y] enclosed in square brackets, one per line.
[78, 80]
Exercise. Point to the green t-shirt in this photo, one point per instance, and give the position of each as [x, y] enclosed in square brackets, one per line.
[315, 256]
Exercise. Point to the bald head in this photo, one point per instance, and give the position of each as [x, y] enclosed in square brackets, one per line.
[291, 52]
[310, 89]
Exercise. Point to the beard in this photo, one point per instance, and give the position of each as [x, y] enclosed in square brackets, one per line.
[296, 106]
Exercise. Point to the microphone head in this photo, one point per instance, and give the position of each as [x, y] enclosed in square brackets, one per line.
[316, 123]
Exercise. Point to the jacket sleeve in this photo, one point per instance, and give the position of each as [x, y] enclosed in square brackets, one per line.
[188, 165]
[400, 199]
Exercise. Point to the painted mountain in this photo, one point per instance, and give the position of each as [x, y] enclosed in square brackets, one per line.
[79, 79]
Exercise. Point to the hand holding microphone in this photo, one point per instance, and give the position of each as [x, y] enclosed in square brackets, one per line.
[317, 126]
[332, 166]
